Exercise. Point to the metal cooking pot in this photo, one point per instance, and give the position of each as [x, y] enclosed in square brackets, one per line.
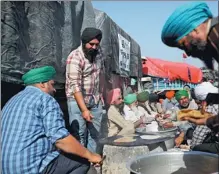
[175, 163]
[169, 132]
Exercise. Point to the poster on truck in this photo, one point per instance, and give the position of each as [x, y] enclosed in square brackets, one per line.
[124, 53]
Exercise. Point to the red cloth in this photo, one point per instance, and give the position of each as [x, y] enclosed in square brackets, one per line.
[172, 70]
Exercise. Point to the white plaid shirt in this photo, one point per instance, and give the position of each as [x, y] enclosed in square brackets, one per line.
[213, 109]
[201, 131]
[199, 135]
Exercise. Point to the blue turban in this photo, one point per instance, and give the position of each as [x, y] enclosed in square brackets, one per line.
[184, 20]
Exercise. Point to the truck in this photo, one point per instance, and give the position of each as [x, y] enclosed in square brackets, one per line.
[161, 75]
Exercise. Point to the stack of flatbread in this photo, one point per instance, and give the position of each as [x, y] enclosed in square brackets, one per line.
[191, 113]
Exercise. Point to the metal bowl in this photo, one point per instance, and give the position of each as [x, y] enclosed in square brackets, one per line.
[175, 163]
[143, 130]
[168, 132]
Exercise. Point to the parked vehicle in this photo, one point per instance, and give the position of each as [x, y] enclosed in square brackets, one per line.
[161, 84]
[160, 75]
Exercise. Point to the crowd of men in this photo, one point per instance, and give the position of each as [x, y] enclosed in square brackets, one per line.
[137, 111]
[34, 137]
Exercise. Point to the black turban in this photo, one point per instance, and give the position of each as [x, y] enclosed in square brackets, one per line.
[90, 34]
[153, 97]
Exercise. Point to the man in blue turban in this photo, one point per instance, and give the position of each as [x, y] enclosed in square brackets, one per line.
[34, 136]
[192, 28]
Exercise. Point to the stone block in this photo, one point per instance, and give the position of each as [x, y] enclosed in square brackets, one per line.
[117, 156]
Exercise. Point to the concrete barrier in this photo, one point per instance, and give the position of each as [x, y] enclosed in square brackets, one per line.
[117, 156]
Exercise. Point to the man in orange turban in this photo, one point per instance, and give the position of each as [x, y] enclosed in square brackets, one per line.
[170, 102]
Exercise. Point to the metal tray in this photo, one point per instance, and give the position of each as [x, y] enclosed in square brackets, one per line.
[160, 131]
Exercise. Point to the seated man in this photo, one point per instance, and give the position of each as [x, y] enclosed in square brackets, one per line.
[212, 123]
[34, 138]
[182, 97]
[142, 97]
[202, 132]
[117, 124]
[149, 117]
[151, 104]
[170, 102]
[184, 102]
[131, 111]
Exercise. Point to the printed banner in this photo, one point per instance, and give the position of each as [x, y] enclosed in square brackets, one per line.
[124, 53]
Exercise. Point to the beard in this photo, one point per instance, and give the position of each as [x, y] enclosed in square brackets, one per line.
[90, 53]
[185, 105]
[134, 109]
[197, 48]
[120, 107]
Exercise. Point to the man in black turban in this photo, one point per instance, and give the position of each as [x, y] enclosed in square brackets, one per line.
[90, 39]
[83, 89]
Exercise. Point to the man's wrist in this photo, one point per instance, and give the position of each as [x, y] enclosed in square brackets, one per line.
[88, 154]
[84, 110]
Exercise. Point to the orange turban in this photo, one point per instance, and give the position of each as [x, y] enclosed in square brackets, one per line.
[170, 94]
[113, 95]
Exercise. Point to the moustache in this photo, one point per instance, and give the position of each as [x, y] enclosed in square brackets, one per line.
[197, 48]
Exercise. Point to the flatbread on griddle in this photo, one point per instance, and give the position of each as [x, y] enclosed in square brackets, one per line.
[130, 135]
[124, 140]
[191, 113]
[150, 137]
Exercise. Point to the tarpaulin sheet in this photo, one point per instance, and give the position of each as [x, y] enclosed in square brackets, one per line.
[172, 70]
[40, 33]
[111, 48]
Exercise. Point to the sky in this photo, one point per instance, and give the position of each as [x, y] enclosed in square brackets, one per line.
[144, 20]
